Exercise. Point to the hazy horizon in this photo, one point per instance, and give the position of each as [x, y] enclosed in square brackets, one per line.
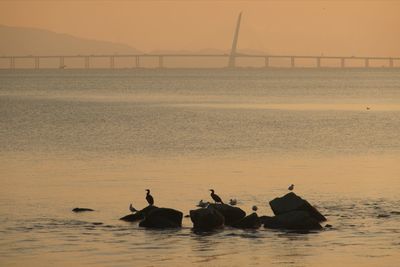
[344, 28]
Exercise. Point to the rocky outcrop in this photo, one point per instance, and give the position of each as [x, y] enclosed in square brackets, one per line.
[292, 220]
[82, 209]
[162, 218]
[206, 219]
[251, 221]
[231, 214]
[137, 216]
[292, 202]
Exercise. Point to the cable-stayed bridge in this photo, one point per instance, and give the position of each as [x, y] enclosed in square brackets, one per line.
[267, 60]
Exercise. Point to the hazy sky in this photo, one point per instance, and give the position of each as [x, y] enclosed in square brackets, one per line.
[302, 27]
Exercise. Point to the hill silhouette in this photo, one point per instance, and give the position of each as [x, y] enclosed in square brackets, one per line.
[32, 41]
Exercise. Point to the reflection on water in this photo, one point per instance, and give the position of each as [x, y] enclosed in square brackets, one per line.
[99, 138]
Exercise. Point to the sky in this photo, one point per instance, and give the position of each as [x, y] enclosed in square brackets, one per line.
[359, 28]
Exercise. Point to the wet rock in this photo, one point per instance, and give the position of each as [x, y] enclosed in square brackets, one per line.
[231, 214]
[293, 220]
[291, 202]
[328, 226]
[383, 215]
[162, 218]
[140, 215]
[82, 209]
[206, 219]
[251, 221]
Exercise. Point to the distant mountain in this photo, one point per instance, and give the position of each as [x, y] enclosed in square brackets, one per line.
[209, 51]
[31, 41]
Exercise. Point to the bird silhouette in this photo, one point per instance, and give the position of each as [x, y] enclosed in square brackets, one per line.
[149, 198]
[215, 197]
[291, 187]
[132, 209]
[254, 208]
[232, 202]
[203, 204]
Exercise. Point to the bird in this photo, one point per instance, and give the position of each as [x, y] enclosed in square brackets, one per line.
[215, 197]
[132, 209]
[149, 198]
[203, 204]
[291, 187]
[232, 202]
[254, 208]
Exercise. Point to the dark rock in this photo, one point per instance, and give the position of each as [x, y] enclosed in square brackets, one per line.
[82, 209]
[251, 221]
[162, 218]
[206, 219]
[140, 215]
[328, 226]
[292, 202]
[293, 220]
[271, 222]
[187, 216]
[383, 215]
[231, 214]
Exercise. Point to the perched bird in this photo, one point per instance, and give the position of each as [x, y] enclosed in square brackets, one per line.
[291, 187]
[254, 208]
[203, 204]
[215, 197]
[232, 202]
[132, 209]
[149, 198]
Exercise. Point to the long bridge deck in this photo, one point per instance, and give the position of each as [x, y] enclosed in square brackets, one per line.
[86, 59]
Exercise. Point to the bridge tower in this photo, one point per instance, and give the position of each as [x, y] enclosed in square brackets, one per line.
[232, 56]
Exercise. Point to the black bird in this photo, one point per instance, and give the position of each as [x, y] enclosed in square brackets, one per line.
[216, 198]
[149, 198]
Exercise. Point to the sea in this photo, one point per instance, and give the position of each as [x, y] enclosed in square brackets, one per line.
[98, 138]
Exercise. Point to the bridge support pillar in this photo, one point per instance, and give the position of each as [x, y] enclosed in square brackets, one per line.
[391, 65]
[292, 62]
[12, 63]
[61, 63]
[366, 62]
[112, 62]
[342, 62]
[266, 62]
[137, 61]
[37, 62]
[318, 62]
[87, 62]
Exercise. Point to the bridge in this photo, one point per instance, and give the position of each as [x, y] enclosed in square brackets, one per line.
[232, 57]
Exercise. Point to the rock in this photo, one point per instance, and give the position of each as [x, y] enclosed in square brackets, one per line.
[162, 218]
[231, 214]
[82, 209]
[140, 215]
[251, 221]
[383, 216]
[206, 219]
[328, 226]
[293, 220]
[292, 202]
[271, 222]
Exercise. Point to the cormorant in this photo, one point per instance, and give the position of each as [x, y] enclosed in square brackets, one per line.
[149, 198]
[291, 187]
[216, 198]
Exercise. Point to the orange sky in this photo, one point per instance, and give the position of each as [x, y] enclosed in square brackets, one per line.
[302, 27]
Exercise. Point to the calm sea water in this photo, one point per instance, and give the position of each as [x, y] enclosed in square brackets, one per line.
[99, 138]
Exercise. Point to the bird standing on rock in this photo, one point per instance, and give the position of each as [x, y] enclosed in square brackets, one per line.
[132, 209]
[291, 187]
[232, 202]
[215, 197]
[149, 198]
